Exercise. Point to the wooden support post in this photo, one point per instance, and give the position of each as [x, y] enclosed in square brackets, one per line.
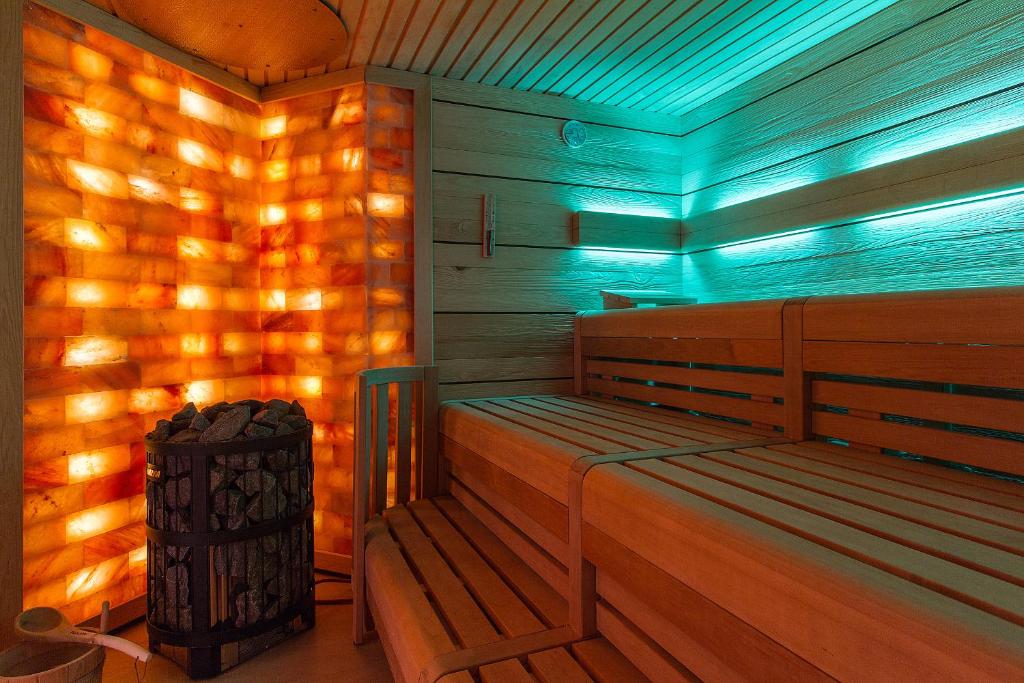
[11, 313]
[579, 365]
[797, 382]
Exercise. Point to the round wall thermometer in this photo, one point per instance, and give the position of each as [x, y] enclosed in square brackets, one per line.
[574, 134]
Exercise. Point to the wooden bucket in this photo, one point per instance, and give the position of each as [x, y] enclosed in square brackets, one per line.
[37, 662]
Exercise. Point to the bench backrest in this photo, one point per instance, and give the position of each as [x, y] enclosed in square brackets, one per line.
[933, 374]
[718, 360]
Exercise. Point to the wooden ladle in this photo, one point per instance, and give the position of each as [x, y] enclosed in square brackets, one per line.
[47, 623]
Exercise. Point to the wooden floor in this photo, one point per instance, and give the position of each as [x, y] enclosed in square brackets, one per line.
[325, 653]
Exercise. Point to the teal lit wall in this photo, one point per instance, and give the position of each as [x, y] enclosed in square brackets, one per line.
[942, 74]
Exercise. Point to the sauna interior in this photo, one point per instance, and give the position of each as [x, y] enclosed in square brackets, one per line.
[546, 340]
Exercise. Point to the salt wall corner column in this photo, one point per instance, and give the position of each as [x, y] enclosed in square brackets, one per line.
[11, 269]
[336, 265]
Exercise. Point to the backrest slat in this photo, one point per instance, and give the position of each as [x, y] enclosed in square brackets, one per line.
[722, 361]
[929, 374]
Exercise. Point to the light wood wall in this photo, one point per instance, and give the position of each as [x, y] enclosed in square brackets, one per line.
[11, 250]
[864, 142]
[503, 325]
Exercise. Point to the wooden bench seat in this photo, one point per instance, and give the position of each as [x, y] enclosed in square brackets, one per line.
[815, 489]
[875, 551]
[687, 379]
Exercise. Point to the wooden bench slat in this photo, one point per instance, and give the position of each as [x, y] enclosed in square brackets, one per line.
[591, 442]
[551, 606]
[740, 319]
[915, 485]
[700, 429]
[754, 411]
[987, 366]
[536, 458]
[715, 643]
[755, 353]
[984, 592]
[976, 556]
[464, 616]
[604, 663]
[398, 600]
[720, 380]
[548, 565]
[824, 606]
[508, 671]
[503, 606]
[952, 522]
[621, 423]
[623, 440]
[644, 654]
[975, 411]
[543, 509]
[957, 482]
[557, 666]
[995, 454]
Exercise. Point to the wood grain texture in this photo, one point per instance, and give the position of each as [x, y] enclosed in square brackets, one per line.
[11, 312]
[915, 119]
[502, 323]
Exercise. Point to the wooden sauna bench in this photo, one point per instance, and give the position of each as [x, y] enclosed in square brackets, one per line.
[742, 491]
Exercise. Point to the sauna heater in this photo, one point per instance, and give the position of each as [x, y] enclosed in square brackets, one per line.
[229, 535]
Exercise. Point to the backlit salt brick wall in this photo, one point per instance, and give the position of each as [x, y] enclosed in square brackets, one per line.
[183, 244]
[336, 266]
[141, 292]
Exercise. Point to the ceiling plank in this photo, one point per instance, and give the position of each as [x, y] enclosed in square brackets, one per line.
[513, 25]
[448, 15]
[419, 23]
[552, 33]
[391, 30]
[464, 34]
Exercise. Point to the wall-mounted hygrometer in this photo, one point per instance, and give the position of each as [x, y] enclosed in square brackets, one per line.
[574, 134]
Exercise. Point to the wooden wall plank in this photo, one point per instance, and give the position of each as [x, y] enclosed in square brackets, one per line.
[504, 324]
[905, 175]
[11, 312]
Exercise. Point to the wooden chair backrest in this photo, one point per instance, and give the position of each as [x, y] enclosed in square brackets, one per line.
[932, 374]
[717, 360]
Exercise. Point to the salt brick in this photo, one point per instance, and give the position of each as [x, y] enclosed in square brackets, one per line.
[52, 201]
[46, 567]
[45, 46]
[112, 47]
[46, 474]
[51, 79]
[114, 101]
[54, 139]
[118, 430]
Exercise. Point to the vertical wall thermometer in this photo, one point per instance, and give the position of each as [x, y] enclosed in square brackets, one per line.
[489, 225]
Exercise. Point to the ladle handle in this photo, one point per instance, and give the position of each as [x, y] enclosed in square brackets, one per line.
[113, 642]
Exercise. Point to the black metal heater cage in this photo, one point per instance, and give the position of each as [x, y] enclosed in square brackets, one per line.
[229, 530]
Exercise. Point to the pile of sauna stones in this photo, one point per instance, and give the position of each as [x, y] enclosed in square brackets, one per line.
[260, 577]
[239, 421]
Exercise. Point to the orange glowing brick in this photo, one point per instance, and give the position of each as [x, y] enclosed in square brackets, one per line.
[239, 299]
[387, 342]
[98, 180]
[197, 297]
[100, 405]
[93, 293]
[137, 559]
[274, 342]
[99, 463]
[146, 190]
[198, 154]
[200, 107]
[308, 387]
[92, 236]
[275, 171]
[312, 210]
[385, 205]
[93, 121]
[273, 214]
[90, 64]
[309, 254]
[310, 342]
[386, 297]
[304, 300]
[95, 578]
[352, 158]
[276, 259]
[274, 127]
[196, 201]
[82, 351]
[390, 251]
[273, 300]
[241, 167]
[239, 343]
[308, 165]
[154, 400]
[203, 392]
[196, 248]
[197, 345]
[153, 88]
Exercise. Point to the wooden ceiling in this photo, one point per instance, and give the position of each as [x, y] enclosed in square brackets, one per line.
[665, 56]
